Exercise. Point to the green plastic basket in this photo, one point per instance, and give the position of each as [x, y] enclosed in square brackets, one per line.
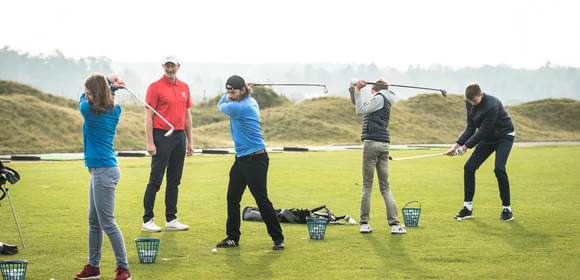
[411, 215]
[147, 248]
[316, 227]
[13, 270]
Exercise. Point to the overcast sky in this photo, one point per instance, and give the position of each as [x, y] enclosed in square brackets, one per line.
[389, 33]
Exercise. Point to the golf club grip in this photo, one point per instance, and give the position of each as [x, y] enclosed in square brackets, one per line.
[150, 108]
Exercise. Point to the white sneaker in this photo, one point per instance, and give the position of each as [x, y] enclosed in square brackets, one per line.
[365, 228]
[150, 226]
[397, 229]
[175, 225]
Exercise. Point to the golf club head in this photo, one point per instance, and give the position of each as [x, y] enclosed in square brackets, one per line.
[325, 89]
[444, 92]
[169, 132]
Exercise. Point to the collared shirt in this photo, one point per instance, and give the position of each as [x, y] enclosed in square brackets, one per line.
[171, 100]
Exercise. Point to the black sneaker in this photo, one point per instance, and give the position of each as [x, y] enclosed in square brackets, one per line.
[464, 214]
[228, 243]
[506, 215]
[278, 245]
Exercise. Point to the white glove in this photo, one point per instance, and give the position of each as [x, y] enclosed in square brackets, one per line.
[460, 151]
[353, 82]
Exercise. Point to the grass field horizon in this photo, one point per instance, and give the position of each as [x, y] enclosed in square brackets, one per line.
[541, 243]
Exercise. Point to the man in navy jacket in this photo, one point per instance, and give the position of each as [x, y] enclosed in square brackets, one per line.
[489, 129]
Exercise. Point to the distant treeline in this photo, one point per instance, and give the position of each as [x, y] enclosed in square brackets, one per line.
[60, 75]
[52, 73]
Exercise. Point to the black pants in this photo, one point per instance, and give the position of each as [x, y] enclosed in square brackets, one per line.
[251, 171]
[483, 150]
[170, 155]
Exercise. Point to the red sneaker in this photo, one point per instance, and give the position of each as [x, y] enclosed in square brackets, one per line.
[88, 273]
[122, 274]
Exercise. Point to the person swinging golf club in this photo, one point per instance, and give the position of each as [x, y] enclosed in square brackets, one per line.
[489, 129]
[101, 116]
[375, 136]
[171, 98]
[251, 163]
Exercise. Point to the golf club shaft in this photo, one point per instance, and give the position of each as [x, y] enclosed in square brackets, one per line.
[154, 111]
[15, 219]
[443, 92]
[421, 156]
[292, 84]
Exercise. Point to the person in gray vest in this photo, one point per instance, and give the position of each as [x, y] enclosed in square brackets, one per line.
[375, 136]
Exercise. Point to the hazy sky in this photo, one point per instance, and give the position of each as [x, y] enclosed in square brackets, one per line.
[389, 33]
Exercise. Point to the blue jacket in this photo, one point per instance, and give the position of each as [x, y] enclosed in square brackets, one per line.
[244, 124]
[99, 134]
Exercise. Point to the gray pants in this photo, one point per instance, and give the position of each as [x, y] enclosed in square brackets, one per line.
[376, 155]
[102, 215]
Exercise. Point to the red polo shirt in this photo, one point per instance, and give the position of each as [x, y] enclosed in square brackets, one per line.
[171, 100]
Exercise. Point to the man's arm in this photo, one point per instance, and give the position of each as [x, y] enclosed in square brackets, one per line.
[188, 134]
[465, 135]
[469, 128]
[230, 108]
[151, 149]
[365, 108]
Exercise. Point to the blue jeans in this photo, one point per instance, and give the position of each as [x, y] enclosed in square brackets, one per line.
[102, 215]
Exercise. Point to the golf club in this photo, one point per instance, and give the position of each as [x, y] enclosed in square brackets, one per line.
[443, 92]
[15, 219]
[293, 84]
[170, 131]
[416, 157]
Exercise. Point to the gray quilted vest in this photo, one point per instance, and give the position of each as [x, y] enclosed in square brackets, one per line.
[376, 124]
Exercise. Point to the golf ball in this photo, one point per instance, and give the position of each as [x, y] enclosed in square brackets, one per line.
[214, 250]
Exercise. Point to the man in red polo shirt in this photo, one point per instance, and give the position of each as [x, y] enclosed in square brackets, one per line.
[170, 97]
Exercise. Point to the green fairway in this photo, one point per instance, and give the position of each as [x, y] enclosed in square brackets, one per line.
[542, 241]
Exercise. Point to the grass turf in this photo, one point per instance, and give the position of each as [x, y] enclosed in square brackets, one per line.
[542, 242]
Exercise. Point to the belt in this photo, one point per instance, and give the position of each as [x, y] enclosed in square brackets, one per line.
[262, 151]
[251, 156]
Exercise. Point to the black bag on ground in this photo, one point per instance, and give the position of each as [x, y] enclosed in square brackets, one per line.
[297, 215]
[291, 216]
[7, 249]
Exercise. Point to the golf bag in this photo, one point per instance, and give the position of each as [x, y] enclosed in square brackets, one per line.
[7, 174]
[297, 215]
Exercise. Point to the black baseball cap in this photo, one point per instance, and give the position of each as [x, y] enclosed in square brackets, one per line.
[236, 82]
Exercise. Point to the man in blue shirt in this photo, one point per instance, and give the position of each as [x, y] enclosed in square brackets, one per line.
[251, 165]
